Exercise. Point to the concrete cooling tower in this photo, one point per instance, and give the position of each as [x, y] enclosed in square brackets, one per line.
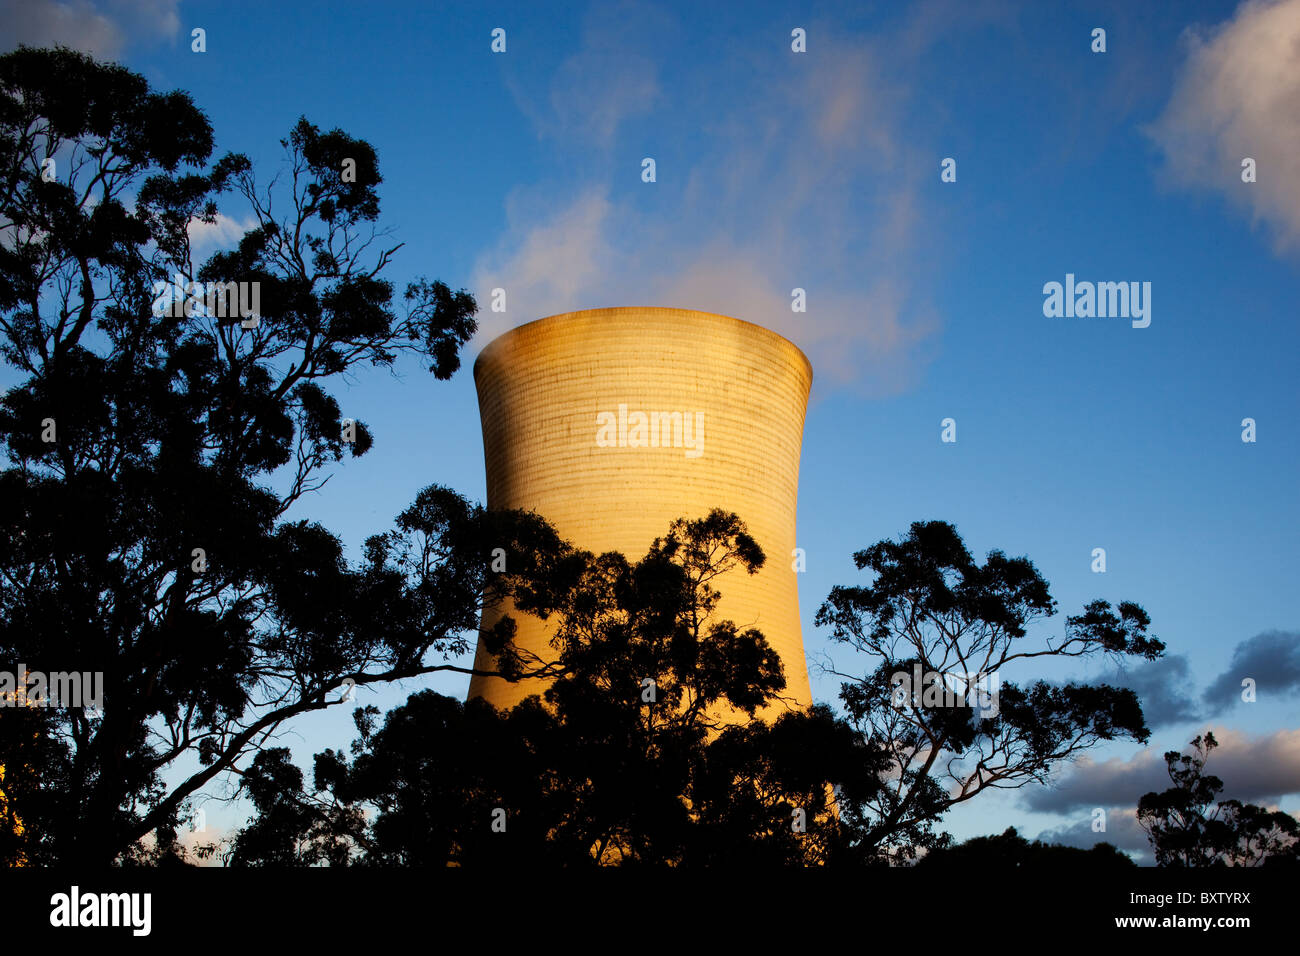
[611, 423]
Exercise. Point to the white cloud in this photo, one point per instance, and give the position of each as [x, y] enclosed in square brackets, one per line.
[45, 23]
[544, 262]
[101, 28]
[208, 237]
[805, 180]
[1238, 96]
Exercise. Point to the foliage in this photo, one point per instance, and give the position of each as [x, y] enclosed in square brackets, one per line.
[1187, 827]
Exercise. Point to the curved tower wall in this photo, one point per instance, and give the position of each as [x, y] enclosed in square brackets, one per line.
[542, 389]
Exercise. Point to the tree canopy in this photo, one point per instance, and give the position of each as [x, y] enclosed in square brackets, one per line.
[643, 749]
[932, 609]
[628, 759]
[151, 454]
[1188, 827]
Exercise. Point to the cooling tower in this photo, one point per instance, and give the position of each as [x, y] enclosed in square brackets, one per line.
[611, 423]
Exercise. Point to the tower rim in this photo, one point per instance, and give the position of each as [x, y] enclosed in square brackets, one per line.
[499, 341]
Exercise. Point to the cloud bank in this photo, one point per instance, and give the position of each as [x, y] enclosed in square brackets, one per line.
[1163, 687]
[103, 28]
[1238, 96]
[1253, 769]
[1271, 660]
[798, 175]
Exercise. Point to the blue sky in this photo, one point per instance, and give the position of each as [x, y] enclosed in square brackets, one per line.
[821, 170]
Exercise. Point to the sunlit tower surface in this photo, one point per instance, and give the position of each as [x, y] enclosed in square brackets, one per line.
[611, 423]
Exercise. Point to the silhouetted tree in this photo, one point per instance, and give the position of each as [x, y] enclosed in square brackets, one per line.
[1187, 827]
[980, 854]
[153, 453]
[644, 749]
[757, 779]
[932, 609]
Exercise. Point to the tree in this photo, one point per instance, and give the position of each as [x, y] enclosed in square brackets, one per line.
[1009, 849]
[933, 612]
[630, 759]
[1184, 831]
[643, 749]
[759, 779]
[153, 451]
